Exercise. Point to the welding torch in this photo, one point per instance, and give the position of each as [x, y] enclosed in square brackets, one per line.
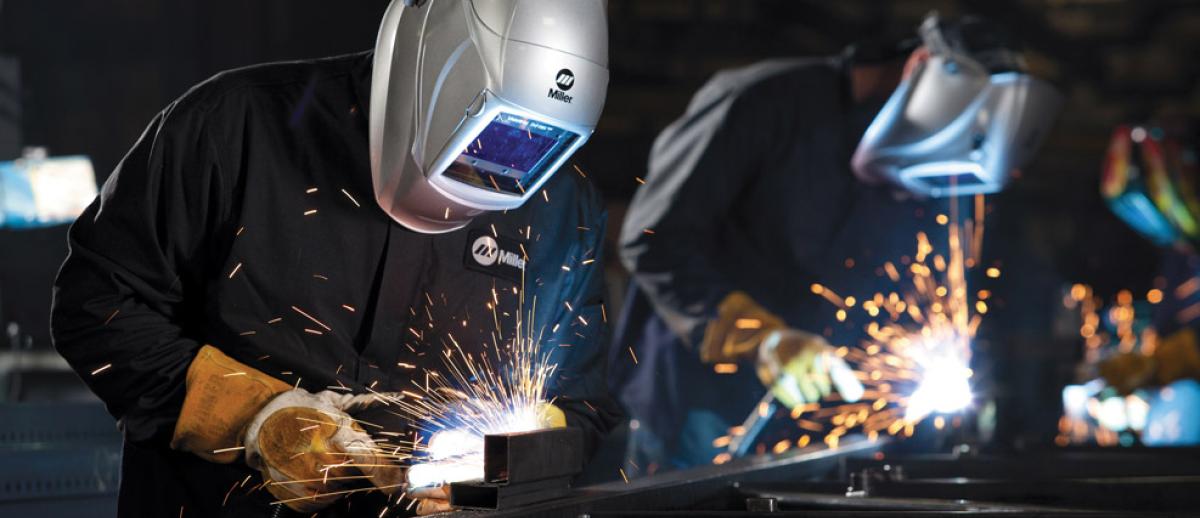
[842, 378]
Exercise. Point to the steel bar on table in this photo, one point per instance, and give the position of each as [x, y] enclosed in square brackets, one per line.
[523, 468]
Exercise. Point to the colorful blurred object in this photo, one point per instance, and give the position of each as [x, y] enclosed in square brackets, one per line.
[1095, 412]
[40, 192]
[1149, 181]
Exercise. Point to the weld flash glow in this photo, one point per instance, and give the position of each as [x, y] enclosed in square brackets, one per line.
[945, 384]
[502, 391]
[456, 455]
[915, 360]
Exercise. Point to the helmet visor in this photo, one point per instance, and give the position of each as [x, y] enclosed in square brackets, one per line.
[511, 154]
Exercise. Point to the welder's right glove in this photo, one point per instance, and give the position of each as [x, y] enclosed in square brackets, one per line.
[1175, 357]
[308, 445]
[794, 365]
[305, 444]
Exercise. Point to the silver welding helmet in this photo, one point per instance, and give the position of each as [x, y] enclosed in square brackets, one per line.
[475, 104]
[963, 120]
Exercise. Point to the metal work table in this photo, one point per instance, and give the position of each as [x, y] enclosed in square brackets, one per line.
[63, 460]
[861, 479]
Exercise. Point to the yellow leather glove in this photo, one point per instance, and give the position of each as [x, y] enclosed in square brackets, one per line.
[1176, 357]
[305, 444]
[308, 445]
[797, 367]
[741, 325]
[793, 365]
[550, 416]
[223, 395]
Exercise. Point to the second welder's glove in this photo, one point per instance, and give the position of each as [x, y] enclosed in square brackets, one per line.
[1174, 358]
[741, 325]
[306, 445]
[794, 365]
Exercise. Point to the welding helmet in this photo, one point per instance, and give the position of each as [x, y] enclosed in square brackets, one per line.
[1149, 181]
[963, 120]
[475, 104]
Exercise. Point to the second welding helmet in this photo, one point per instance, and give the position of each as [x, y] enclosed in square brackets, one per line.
[963, 120]
[1149, 181]
[475, 104]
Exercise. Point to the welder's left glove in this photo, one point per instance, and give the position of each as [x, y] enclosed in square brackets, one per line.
[436, 499]
[550, 416]
[223, 395]
[1175, 357]
[741, 325]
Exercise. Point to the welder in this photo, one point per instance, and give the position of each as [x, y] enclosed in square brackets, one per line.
[287, 240]
[1150, 182]
[793, 172]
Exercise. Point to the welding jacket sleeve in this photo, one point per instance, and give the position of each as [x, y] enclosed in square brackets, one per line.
[578, 333]
[126, 299]
[698, 167]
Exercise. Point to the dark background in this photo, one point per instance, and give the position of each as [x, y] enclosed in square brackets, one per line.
[93, 73]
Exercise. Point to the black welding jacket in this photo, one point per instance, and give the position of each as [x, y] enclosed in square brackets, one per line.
[244, 218]
[751, 189]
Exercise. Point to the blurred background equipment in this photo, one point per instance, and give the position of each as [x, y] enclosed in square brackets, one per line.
[37, 191]
[1136, 382]
[39, 197]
